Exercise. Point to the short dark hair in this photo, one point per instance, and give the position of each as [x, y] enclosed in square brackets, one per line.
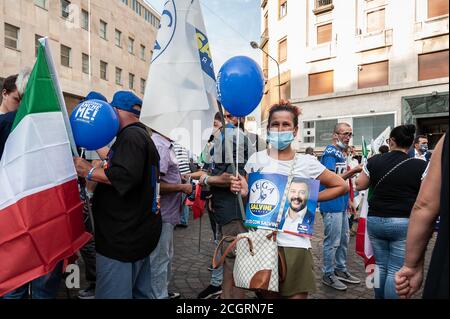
[383, 149]
[418, 137]
[284, 106]
[9, 84]
[403, 135]
[218, 117]
[309, 150]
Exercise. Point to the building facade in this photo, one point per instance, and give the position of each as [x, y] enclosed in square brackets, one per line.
[101, 45]
[369, 63]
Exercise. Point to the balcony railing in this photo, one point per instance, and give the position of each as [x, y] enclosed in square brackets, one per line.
[322, 6]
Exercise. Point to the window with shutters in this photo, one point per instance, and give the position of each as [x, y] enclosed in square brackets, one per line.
[103, 27]
[11, 36]
[118, 37]
[321, 83]
[373, 74]
[85, 63]
[85, 20]
[324, 33]
[142, 86]
[282, 50]
[41, 3]
[437, 8]
[433, 65]
[65, 55]
[118, 76]
[376, 21]
[131, 45]
[103, 70]
[65, 11]
[282, 8]
[131, 81]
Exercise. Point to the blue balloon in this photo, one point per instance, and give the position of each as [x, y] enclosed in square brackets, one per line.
[94, 124]
[240, 85]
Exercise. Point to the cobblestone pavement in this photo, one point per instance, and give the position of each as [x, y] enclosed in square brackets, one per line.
[190, 266]
[192, 257]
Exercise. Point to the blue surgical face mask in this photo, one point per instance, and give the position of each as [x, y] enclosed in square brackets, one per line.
[424, 148]
[280, 140]
[341, 144]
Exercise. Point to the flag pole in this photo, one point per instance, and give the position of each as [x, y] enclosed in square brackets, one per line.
[62, 103]
[233, 167]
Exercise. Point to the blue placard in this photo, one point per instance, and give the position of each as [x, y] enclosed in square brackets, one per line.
[265, 196]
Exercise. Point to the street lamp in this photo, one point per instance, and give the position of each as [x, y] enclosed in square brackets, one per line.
[255, 45]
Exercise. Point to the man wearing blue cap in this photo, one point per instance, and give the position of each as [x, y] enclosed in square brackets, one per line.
[127, 217]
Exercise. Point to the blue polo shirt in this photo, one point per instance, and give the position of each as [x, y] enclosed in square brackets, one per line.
[335, 161]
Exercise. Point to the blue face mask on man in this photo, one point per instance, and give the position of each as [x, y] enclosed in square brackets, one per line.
[424, 148]
[280, 140]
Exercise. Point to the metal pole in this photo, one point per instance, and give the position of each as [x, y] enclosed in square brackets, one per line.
[255, 45]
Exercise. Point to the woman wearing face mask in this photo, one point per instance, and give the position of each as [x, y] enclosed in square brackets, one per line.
[395, 180]
[281, 158]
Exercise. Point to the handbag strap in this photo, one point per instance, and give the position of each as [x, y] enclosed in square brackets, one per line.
[392, 170]
[234, 239]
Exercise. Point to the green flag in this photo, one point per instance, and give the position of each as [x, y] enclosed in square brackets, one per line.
[365, 150]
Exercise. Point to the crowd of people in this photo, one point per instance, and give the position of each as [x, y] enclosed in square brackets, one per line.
[139, 185]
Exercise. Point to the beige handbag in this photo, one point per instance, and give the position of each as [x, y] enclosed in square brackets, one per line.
[258, 264]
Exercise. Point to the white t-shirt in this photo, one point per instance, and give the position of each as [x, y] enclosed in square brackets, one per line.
[306, 166]
[292, 224]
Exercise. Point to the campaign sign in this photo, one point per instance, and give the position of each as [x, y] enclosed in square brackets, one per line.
[265, 196]
[264, 199]
[300, 208]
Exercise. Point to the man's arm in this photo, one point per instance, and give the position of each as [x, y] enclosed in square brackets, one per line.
[352, 172]
[175, 188]
[83, 167]
[423, 216]
[362, 182]
[103, 152]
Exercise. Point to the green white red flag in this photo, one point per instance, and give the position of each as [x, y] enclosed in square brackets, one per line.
[41, 220]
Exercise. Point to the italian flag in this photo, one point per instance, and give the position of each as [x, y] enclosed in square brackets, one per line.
[363, 245]
[41, 220]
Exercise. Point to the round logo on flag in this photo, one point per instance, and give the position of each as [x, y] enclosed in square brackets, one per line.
[264, 197]
[167, 27]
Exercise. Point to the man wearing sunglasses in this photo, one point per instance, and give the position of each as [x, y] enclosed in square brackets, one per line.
[335, 244]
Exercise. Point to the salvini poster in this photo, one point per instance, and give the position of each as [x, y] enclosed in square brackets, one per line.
[266, 192]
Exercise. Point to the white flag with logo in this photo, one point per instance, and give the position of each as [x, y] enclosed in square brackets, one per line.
[380, 140]
[180, 95]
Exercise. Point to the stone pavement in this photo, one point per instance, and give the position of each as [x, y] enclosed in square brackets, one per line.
[192, 257]
[191, 274]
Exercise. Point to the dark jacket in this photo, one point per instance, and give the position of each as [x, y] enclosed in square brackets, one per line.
[411, 153]
[6, 123]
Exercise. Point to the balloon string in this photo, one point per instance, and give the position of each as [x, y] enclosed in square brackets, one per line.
[237, 148]
[82, 152]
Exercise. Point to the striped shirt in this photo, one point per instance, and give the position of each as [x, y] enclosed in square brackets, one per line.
[183, 158]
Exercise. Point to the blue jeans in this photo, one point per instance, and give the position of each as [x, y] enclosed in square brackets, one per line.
[388, 238]
[184, 215]
[217, 274]
[161, 263]
[122, 280]
[335, 242]
[44, 287]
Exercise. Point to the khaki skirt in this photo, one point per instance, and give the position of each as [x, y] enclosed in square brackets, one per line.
[300, 276]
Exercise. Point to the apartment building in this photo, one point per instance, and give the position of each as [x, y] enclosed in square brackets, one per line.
[101, 45]
[369, 63]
